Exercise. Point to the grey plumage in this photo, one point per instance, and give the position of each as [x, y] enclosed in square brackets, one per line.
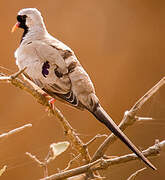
[53, 68]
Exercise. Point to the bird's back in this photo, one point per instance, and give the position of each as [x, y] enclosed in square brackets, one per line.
[63, 74]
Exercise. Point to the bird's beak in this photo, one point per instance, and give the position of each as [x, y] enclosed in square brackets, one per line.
[15, 27]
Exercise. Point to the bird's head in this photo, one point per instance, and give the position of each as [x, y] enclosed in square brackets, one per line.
[28, 18]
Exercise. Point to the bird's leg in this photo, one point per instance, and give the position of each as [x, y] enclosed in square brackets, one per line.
[50, 100]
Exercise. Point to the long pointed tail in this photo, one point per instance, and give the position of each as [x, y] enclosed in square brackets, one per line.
[103, 117]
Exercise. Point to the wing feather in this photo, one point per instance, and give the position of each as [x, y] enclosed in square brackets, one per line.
[49, 67]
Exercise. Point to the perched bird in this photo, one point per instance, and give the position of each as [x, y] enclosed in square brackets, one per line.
[53, 67]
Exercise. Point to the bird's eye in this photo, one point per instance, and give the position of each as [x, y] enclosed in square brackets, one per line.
[24, 17]
[21, 18]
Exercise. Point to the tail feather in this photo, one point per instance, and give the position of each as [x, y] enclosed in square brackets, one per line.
[104, 118]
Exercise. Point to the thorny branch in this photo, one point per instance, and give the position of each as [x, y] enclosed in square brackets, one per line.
[96, 163]
[34, 158]
[42, 164]
[69, 131]
[14, 131]
[70, 162]
[10, 133]
[129, 119]
[94, 138]
[136, 173]
[104, 164]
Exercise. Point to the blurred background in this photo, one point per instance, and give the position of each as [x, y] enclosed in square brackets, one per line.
[121, 44]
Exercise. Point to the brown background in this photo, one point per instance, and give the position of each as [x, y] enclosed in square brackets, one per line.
[121, 44]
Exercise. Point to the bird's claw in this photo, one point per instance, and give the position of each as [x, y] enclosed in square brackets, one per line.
[50, 101]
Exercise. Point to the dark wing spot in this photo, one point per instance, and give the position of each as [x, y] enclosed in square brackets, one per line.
[57, 73]
[71, 66]
[54, 47]
[45, 68]
[29, 43]
[75, 102]
[56, 87]
[70, 98]
[64, 53]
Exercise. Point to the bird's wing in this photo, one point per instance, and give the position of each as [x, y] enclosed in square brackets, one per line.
[45, 66]
[51, 53]
[50, 71]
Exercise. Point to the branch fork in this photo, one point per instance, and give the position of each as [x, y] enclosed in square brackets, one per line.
[96, 162]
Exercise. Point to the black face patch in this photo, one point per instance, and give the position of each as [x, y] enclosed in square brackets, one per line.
[45, 68]
[21, 19]
[22, 24]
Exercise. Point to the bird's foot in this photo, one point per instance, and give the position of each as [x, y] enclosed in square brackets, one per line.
[50, 101]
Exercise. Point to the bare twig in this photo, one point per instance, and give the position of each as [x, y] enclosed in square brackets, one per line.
[14, 131]
[132, 177]
[101, 164]
[148, 95]
[151, 151]
[94, 138]
[69, 131]
[14, 76]
[72, 172]
[96, 164]
[42, 164]
[70, 162]
[76, 141]
[34, 158]
[78, 177]
[144, 119]
[109, 157]
[128, 119]
[54, 150]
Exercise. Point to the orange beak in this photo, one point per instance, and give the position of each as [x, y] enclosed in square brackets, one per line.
[15, 27]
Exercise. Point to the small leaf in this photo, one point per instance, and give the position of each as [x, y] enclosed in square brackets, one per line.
[58, 148]
[3, 170]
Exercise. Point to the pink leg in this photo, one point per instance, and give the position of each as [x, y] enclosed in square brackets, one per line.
[51, 100]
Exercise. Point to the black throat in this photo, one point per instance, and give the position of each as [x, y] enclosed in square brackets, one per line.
[22, 24]
[24, 33]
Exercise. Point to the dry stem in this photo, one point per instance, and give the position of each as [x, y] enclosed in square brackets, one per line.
[101, 164]
[14, 131]
[69, 131]
[128, 119]
[72, 136]
[96, 163]
[136, 173]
